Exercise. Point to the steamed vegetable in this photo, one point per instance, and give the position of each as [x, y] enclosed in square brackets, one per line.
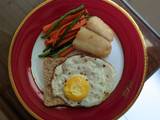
[51, 53]
[67, 29]
[56, 34]
[69, 36]
[47, 27]
[62, 31]
[58, 21]
[66, 51]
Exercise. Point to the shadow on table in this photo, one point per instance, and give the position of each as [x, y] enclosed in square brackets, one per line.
[9, 103]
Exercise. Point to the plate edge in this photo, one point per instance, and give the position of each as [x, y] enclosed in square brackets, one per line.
[144, 50]
[9, 60]
[42, 4]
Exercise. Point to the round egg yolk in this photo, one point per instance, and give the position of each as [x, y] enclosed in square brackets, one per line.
[76, 88]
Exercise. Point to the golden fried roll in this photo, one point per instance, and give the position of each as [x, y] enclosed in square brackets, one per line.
[97, 25]
[92, 43]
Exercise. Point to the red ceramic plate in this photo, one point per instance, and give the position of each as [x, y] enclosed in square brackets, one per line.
[134, 60]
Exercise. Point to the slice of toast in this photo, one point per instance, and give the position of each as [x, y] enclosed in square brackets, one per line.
[49, 65]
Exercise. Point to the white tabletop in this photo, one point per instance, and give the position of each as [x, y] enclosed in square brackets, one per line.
[147, 106]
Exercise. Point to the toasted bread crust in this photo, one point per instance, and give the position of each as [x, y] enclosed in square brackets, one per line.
[49, 65]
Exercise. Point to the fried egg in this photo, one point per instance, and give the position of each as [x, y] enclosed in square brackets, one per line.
[83, 81]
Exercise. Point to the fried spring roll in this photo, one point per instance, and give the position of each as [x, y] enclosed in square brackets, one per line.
[92, 43]
[97, 25]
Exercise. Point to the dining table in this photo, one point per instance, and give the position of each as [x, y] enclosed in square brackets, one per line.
[12, 12]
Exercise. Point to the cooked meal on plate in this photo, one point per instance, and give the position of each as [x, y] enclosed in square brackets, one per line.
[75, 73]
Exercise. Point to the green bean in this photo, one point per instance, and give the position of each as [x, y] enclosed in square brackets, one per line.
[60, 48]
[46, 53]
[54, 52]
[57, 53]
[67, 29]
[47, 48]
[58, 21]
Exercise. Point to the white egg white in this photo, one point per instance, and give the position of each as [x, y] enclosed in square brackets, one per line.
[99, 73]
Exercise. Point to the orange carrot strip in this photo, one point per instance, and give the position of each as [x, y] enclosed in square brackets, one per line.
[66, 20]
[64, 23]
[71, 17]
[53, 38]
[71, 33]
[60, 30]
[67, 51]
[46, 27]
[57, 33]
[54, 32]
[68, 37]
[66, 40]
[79, 24]
[46, 42]
[49, 41]
[63, 27]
